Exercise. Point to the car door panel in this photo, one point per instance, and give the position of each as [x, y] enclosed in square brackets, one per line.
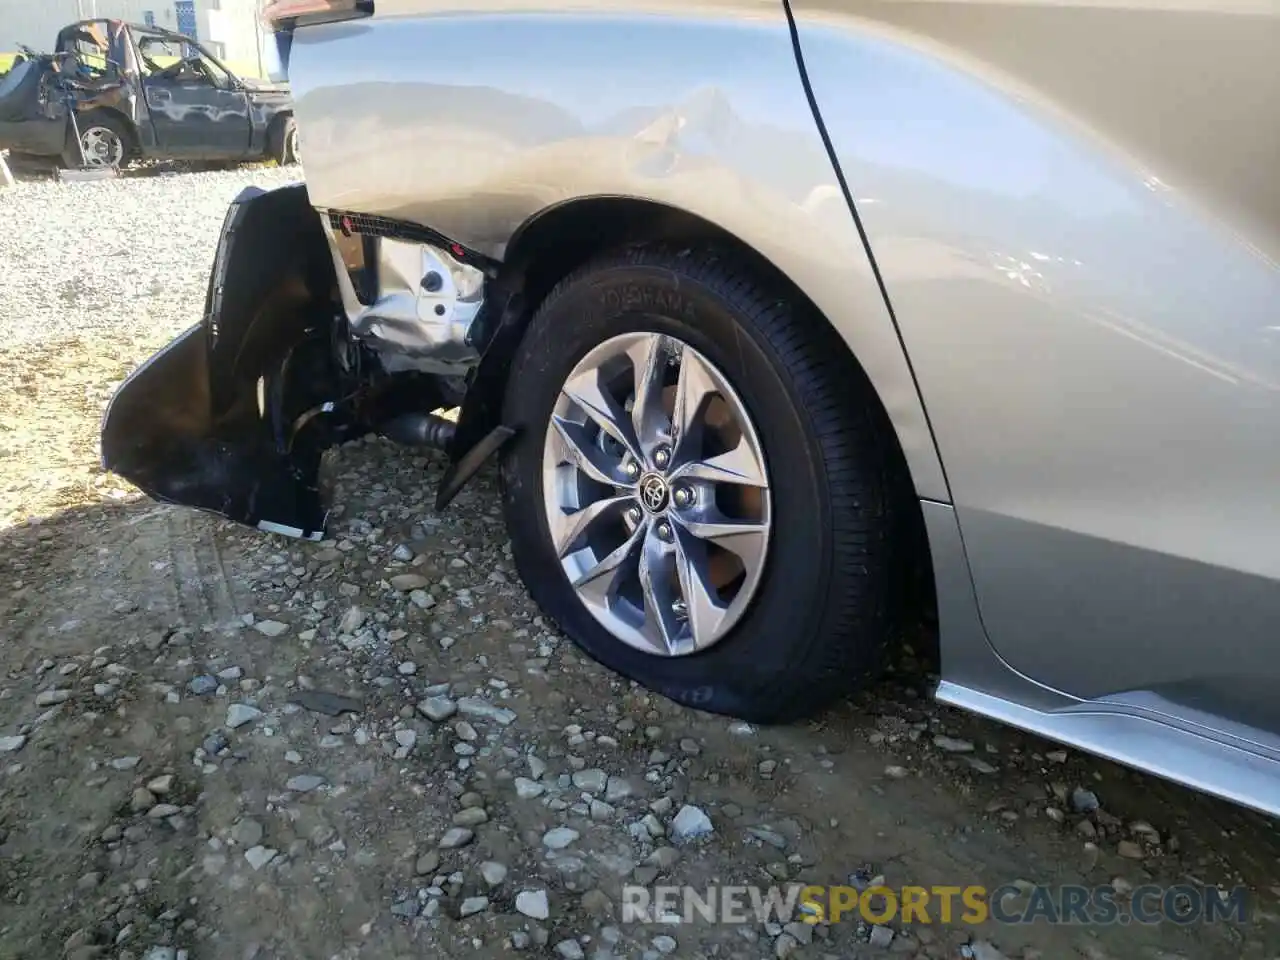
[198, 119]
[1082, 267]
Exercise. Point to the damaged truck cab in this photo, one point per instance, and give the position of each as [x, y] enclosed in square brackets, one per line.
[318, 327]
[112, 92]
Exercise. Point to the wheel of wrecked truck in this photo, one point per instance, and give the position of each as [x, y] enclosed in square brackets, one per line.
[102, 147]
[701, 492]
[283, 144]
[103, 142]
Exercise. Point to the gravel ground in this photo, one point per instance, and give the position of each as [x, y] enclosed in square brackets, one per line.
[220, 744]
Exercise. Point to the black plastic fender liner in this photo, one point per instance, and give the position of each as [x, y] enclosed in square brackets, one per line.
[480, 433]
[272, 278]
[157, 434]
[193, 424]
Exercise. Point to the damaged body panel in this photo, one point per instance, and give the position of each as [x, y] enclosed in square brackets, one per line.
[125, 91]
[233, 416]
[413, 303]
[311, 335]
[32, 115]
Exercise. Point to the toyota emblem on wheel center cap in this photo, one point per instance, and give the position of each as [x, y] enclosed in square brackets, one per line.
[653, 493]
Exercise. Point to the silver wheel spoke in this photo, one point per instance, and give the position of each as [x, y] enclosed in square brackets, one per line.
[693, 388]
[746, 538]
[740, 465]
[588, 458]
[567, 528]
[704, 610]
[601, 581]
[649, 362]
[603, 409]
[660, 620]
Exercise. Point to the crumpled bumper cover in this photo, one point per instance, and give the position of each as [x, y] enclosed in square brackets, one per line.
[158, 433]
[224, 418]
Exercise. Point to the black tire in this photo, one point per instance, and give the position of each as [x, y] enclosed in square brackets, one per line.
[283, 142]
[98, 118]
[828, 602]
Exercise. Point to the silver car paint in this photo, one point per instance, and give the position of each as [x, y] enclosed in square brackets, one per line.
[474, 124]
[1083, 284]
[1210, 753]
[1079, 264]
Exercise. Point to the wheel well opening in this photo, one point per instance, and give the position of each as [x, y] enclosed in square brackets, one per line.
[568, 236]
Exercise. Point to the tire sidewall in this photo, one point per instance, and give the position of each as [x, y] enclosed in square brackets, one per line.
[282, 139]
[791, 597]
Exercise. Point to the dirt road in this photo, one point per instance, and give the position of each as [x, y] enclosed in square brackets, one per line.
[220, 744]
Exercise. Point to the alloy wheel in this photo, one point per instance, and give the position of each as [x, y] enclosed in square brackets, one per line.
[656, 493]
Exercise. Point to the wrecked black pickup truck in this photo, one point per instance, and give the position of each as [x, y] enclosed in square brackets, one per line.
[112, 92]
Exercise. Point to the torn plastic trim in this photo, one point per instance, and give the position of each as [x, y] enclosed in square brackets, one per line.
[234, 415]
[268, 526]
[157, 433]
[352, 224]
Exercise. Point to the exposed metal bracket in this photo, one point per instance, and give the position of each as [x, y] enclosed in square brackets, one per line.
[425, 302]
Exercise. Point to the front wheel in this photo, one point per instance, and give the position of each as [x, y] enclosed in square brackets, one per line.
[703, 491]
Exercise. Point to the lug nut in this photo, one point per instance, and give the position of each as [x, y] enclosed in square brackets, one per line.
[683, 496]
[662, 456]
[664, 531]
[632, 469]
[634, 514]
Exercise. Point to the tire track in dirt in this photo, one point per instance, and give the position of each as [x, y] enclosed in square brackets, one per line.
[197, 574]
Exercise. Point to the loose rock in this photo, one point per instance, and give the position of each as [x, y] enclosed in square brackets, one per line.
[202, 685]
[1084, 801]
[690, 824]
[351, 621]
[881, 936]
[533, 904]
[592, 781]
[558, 838]
[475, 707]
[259, 857]
[455, 837]
[493, 873]
[437, 709]
[238, 714]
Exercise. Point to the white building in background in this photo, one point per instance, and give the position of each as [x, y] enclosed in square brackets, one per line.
[228, 28]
